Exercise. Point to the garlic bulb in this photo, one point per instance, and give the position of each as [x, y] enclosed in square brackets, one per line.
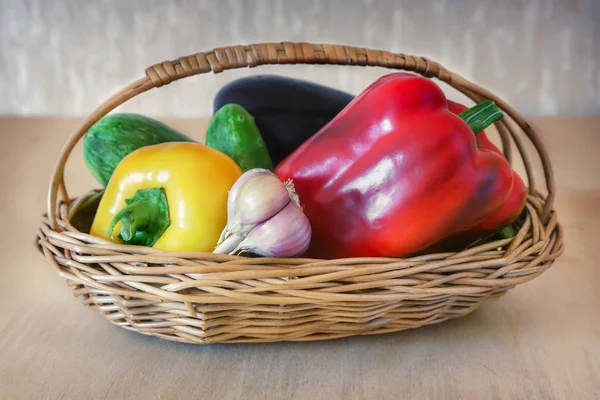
[264, 217]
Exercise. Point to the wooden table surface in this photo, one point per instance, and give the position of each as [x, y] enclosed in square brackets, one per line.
[540, 341]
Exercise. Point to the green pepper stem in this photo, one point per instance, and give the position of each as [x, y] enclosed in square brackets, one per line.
[481, 116]
[144, 219]
[508, 232]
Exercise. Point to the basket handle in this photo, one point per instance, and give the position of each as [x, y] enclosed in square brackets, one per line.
[253, 55]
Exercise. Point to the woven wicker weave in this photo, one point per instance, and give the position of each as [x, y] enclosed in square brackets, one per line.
[210, 298]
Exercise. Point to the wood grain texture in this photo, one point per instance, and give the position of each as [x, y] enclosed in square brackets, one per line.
[540, 341]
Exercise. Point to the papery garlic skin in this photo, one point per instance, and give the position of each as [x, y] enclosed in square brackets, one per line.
[287, 234]
[233, 193]
[259, 199]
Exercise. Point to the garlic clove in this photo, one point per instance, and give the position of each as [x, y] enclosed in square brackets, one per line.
[287, 234]
[259, 199]
[246, 176]
[233, 196]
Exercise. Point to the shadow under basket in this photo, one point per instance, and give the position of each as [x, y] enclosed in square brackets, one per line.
[211, 298]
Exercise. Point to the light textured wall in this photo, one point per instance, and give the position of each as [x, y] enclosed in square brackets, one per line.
[64, 57]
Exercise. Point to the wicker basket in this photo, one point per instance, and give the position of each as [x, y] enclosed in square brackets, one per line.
[210, 298]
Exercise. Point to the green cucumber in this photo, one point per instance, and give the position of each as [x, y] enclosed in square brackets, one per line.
[109, 140]
[232, 131]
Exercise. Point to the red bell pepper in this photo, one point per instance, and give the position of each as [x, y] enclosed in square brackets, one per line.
[396, 171]
[518, 196]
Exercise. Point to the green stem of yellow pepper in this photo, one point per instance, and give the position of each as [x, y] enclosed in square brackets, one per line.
[144, 219]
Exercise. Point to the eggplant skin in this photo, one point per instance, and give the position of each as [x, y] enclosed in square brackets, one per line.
[287, 111]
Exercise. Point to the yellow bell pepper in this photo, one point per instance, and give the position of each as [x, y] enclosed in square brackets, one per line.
[170, 196]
